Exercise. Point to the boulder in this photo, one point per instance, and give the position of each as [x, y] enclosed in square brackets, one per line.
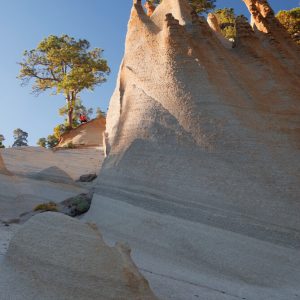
[56, 257]
[87, 177]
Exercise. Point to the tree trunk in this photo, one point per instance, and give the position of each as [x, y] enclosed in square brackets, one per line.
[70, 101]
[70, 117]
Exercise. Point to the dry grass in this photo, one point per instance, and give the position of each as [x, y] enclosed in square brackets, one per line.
[50, 206]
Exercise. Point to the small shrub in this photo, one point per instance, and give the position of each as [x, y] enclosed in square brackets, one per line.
[50, 206]
[70, 145]
[82, 207]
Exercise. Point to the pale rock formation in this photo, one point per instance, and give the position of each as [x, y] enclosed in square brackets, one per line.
[214, 25]
[202, 178]
[56, 257]
[262, 15]
[273, 34]
[3, 169]
[213, 22]
[86, 135]
[6, 233]
[42, 175]
[106, 145]
[20, 194]
[36, 161]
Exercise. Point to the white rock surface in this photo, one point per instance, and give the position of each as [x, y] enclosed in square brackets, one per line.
[56, 257]
[32, 161]
[3, 169]
[185, 259]
[6, 233]
[40, 175]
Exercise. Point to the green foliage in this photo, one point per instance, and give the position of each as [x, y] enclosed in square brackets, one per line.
[50, 206]
[290, 19]
[79, 108]
[1, 141]
[200, 6]
[52, 141]
[81, 204]
[77, 205]
[226, 18]
[20, 137]
[60, 129]
[70, 145]
[42, 142]
[65, 66]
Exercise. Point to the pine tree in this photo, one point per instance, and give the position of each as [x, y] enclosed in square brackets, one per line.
[20, 137]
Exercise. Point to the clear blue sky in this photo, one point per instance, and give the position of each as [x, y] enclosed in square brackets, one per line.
[23, 24]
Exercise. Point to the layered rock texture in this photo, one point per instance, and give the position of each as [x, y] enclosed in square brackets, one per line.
[56, 257]
[202, 176]
[89, 134]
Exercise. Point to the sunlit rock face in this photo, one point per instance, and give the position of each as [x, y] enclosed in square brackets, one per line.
[89, 134]
[201, 123]
[204, 134]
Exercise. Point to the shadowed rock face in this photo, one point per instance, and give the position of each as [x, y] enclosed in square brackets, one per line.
[56, 257]
[53, 174]
[204, 134]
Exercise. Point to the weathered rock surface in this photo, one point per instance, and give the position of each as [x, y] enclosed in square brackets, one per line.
[37, 162]
[6, 233]
[20, 194]
[42, 175]
[86, 135]
[3, 169]
[202, 176]
[56, 257]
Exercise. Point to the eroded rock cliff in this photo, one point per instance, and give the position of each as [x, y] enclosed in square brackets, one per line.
[198, 122]
[205, 137]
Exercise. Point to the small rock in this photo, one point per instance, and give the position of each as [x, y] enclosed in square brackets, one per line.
[87, 177]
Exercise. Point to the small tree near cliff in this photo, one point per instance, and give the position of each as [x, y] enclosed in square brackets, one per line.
[290, 19]
[78, 109]
[52, 141]
[20, 137]
[1, 141]
[200, 6]
[226, 18]
[42, 142]
[65, 66]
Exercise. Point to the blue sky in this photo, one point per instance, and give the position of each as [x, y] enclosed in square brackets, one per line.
[23, 24]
